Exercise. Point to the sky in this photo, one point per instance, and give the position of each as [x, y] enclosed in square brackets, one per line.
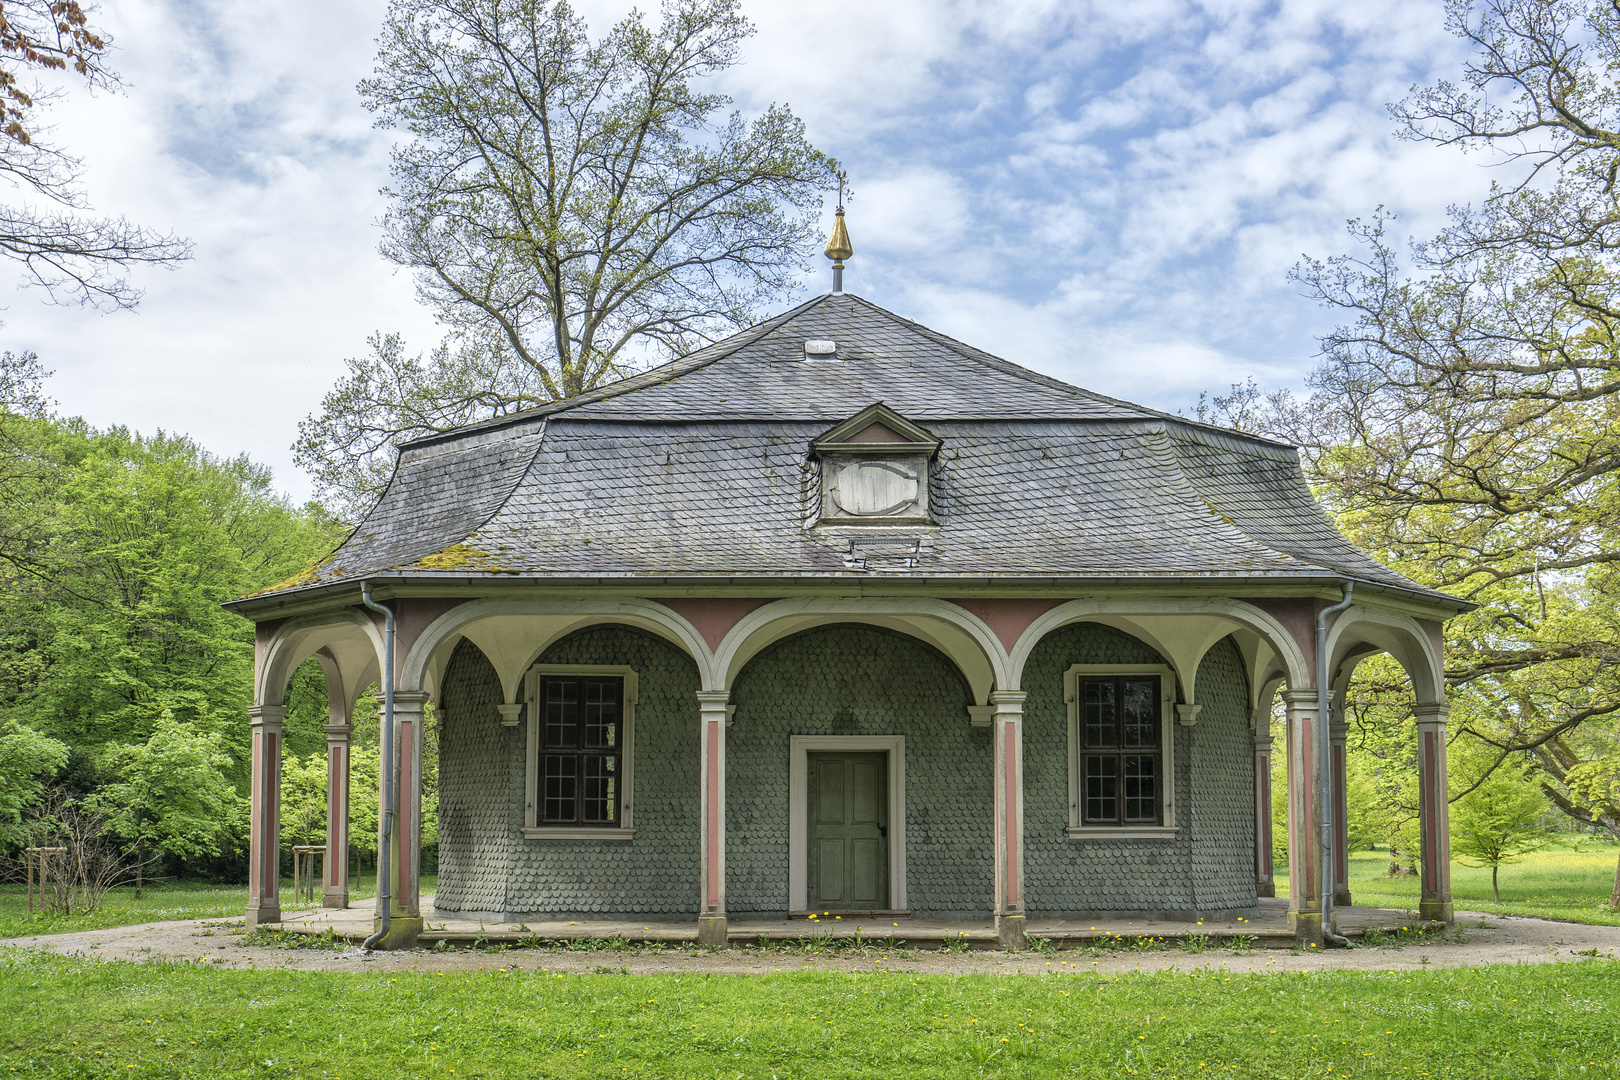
[1110, 193]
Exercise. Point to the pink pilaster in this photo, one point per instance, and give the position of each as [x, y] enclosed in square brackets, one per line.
[1338, 733]
[335, 894]
[1007, 731]
[1264, 881]
[1305, 776]
[1434, 821]
[264, 820]
[712, 796]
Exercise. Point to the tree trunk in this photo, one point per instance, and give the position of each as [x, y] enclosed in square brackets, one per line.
[1614, 897]
[1496, 894]
[140, 869]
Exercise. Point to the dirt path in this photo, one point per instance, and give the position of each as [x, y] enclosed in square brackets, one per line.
[1482, 939]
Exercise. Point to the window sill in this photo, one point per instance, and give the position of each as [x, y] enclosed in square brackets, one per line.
[552, 832]
[1126, 832]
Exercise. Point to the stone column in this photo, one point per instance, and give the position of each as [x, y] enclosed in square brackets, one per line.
[405, 921]
[1338, 733]
[1433, 813]
[1304, 831]
[712, 714]
[264, 820]
[336, 892]
[1007, 732]
[1265, 883]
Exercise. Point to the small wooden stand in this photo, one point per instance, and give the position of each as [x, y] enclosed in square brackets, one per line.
[304, 875]
[41, 857]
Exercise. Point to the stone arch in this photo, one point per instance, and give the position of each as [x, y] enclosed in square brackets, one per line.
[348, 645]
[1182, 631]
[1360, 632]
[959, 635]
[513, 633]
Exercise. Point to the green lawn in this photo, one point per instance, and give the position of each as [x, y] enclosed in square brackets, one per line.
[79, 1018]
[175, 900]
[1560, 883]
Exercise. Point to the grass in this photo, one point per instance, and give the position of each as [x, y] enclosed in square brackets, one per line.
[161, 902]
[1568, 884]
[80, 1018]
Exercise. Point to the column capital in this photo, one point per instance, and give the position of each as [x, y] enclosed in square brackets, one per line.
[1187, 715]
[1305, 698]
[1262, 743]
[338, 732]
[713, 700]
[269, 716]
[1008, 701]
[1431, 712]
[1338, 730]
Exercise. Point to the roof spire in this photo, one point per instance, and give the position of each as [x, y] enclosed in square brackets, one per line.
[838, 248]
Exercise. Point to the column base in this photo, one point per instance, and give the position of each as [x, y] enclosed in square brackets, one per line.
[1306, 926]
[262, 911]
[1265, 888]
[1010, 933]
[335, 896]
[403, 930]
[1436, 910]
[712, 931]
[1341, 898]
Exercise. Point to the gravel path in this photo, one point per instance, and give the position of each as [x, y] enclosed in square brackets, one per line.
[1478, 939]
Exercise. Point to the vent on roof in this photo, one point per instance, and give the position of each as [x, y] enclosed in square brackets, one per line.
[817, 349]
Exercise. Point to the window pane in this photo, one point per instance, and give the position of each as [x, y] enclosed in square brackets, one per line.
[601, 802]
[561, 772]
[1100, 795]
[1100, 714]
[1141, 716]
[562, 712]
[1141, 788]
[602, 714]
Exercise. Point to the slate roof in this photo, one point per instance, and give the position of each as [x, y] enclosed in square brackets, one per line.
[700, 469]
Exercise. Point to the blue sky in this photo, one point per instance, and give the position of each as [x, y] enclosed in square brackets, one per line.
[1109, 193]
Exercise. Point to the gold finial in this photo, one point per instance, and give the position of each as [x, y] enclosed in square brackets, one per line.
[838, 248]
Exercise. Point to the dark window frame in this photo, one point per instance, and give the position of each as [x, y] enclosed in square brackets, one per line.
[1111, 758]
[579, 752]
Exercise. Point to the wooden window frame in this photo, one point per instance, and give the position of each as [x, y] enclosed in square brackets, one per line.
[1078, 828]
[533, 827]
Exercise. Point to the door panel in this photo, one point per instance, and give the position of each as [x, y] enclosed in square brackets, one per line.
[848, 809]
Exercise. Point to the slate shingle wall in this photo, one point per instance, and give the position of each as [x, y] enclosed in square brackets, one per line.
[860, 680]
[1063, 875]
[487, 866]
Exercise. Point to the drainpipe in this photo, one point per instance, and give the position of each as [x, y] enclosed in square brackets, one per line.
[385, 898]
[1324, 797]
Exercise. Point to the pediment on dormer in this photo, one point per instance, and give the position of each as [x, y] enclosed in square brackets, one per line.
[877, 429]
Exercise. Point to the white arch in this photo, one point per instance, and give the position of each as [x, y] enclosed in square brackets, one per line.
[1181, 630]
[1361, 631]
[953, 630]
[353, 644]
[513, 632]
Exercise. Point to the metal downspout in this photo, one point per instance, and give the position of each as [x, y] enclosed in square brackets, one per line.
[1324, 799]
[385, 897]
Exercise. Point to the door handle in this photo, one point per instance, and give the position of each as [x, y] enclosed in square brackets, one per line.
[883, 831]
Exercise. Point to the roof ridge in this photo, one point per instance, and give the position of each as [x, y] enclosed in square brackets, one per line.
[692, 361]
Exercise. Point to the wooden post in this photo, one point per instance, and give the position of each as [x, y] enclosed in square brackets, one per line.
[712, 795]
[1007, 731]
[264, 823]
[1434, 819]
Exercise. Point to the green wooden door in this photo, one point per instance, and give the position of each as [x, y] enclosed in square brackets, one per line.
[849, 831]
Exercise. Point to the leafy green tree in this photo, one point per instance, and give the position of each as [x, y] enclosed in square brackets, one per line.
[1498, 822]
[170, 795]
[561, 201]
[303, 799]
[27, 760]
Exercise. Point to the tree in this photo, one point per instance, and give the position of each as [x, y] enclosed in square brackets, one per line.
[565, 203]
[70, 256]
[1498, 822]
[27, 760]
[171, 794]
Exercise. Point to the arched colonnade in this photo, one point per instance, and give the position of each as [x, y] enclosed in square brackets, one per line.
[989, 641]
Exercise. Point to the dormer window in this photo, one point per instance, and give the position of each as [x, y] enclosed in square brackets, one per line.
[874, 470]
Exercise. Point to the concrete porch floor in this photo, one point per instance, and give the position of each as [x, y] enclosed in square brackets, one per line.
[1270, 929]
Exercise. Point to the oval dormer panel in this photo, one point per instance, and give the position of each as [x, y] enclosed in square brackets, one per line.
[873, 487]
